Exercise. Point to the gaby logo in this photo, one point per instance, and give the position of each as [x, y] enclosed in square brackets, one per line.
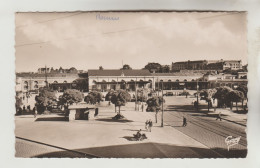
[230, 141]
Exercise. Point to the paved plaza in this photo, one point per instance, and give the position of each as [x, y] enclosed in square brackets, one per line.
[53, 136]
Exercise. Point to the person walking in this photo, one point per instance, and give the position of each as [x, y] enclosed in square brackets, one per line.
[150, 125]
[146, 125]
[219, 116]
[35, 113]
[184, 122]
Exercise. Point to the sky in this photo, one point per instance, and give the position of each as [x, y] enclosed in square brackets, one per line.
[86, 41]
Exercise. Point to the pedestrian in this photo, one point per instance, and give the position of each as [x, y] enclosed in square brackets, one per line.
[219, 116]
[138, 135]
[23, 108]
[35, 112]
[184, 122]
[146, 125]
[150, 123]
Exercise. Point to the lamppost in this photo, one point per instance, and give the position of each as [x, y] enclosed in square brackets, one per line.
[142, 99]
[162, 105]
[135, 95]
[197, 96]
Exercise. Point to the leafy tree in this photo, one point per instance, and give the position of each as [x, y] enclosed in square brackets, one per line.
[18, 103]
[70, 96]
[142, 94]
[119, 98]
[221, 95]
[109, 95]
[45, 99]
[154, 105]
[153, 66]
[165, 69]
[93, 97]
[208, 95]
[81, 84]
[101, 68]
[235, 96]
[244, 89]
[126, 66]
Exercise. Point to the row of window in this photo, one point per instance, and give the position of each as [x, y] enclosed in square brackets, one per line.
[150, 81]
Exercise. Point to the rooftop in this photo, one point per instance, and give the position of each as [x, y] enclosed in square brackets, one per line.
[39, 75]
[117, 72]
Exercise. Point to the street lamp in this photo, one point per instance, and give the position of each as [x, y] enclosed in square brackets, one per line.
[197, 96]
[135, 95]
[142, 99]
[162, 105]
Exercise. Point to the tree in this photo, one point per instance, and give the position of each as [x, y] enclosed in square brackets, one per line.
[18, 103]
[45, 99]
[154, 105]
[119, 98]
[221, 95]
[244, 89]
[153, 66]
[93, 97]
[101, 68]
[235, 96]
[142, 94]
[126, 66]
[165, 69]
[208, 95]
[70, 96]
[109, 96]
[81, 84]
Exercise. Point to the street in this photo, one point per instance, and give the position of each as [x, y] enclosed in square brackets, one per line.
[205, 128]
[203, 137]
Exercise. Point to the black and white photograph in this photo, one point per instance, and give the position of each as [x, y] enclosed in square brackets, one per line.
[131, 84]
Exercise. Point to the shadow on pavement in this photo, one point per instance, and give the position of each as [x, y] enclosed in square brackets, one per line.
[187, 108]
[150, 150]
[53, 119]
[111, 120]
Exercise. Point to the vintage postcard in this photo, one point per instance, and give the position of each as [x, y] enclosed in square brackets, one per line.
[140, 84]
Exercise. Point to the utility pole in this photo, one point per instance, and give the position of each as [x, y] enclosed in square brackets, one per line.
[135, 94]
[197, 95]
[162, 106]
[46, 76]
[158, 86]
[143, 99]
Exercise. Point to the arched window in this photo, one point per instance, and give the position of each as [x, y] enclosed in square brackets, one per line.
[192, 80]
[177, 80]
[55, 82]
[35, 84]
[169, 80]
[25, 85]
[94, 82]
[161, 80]
[185, 80]
[65, 81]
[104, 81]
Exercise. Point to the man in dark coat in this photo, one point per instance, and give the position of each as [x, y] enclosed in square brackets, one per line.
[184, 122]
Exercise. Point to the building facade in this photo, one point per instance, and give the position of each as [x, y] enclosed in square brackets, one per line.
[207, 65]
[106, 79]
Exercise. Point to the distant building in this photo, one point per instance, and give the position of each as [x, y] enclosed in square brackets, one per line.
[119, 79]
[60, 70]
[217, 80]
[33, 81]
[207, 65]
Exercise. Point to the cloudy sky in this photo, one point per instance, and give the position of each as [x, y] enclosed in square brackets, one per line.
[84, 41]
